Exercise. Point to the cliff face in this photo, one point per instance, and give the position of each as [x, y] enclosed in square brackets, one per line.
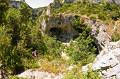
[63, 23]
[59, 26]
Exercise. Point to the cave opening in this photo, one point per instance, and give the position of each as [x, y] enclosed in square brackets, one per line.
[61, 35]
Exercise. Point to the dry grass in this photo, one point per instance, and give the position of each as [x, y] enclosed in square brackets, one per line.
[114, 30]
[114, 27]
[55, 66]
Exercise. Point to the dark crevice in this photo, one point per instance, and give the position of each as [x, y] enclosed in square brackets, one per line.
[62, 35]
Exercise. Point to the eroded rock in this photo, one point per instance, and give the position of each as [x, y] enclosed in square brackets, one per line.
[108, 61]
[36, 74]
[99, 32]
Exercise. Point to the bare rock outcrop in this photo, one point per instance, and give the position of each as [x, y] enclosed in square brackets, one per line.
[99, 33]
[108, 61]
[62, 24]
[36, 74]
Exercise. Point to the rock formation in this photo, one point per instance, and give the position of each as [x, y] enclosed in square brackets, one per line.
[36, 74]
[59, 26]
[108, 61]
[99, 32]
[57, 4]
[16, 3]
[62, 24]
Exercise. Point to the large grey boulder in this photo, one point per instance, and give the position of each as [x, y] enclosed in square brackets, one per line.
[36, 74]
[108, 61]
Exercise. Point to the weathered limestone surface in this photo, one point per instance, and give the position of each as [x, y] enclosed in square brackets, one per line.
[36, 74]
[108, 61]
[99, 32]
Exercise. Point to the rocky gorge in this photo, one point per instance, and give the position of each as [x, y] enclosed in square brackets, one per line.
[72, 34]
[107, 61]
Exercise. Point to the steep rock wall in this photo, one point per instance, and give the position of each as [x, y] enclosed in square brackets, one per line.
[63, 24]
[59, 26]
[99, 32]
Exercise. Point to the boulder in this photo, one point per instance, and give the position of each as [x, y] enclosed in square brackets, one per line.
[36, 74]
[108, 61]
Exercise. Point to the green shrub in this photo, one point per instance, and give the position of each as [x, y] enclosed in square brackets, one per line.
[15, 77]
[102, 16]
[105, 11]
[82, 49]
[77, 74]
[93, 17]
[116, 37]
[53, 47]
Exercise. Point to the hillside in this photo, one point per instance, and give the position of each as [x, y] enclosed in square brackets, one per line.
[68, 39]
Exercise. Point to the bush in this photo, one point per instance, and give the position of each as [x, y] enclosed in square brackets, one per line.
[15, 77]
[83, 47]
[76, 73]
[104, 11]
[53, 47]
[116, 37]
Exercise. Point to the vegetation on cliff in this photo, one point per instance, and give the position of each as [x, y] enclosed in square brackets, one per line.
[109, 13]
[20, 35]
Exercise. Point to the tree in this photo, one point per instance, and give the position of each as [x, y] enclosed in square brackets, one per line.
[4, 6]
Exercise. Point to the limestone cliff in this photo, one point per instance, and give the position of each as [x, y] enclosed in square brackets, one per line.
[108, 61]
[60, 26]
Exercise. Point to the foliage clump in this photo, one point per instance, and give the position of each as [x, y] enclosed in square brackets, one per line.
[76, 73]
[104, 11]
[20, 35]
[83, 48]
[16, 44]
